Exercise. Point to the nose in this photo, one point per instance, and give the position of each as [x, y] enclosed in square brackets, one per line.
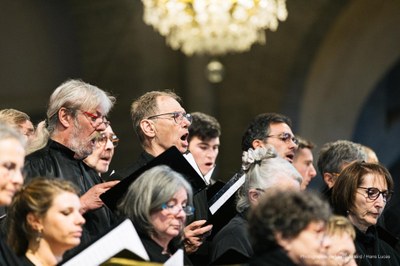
[102, 126]
[109, 144]
[17, 178]
[313, 172]
[380, 202]
[79, 219]
[326, 242]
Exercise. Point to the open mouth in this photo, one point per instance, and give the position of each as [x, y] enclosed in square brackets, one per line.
[185, 136]
[290, 157]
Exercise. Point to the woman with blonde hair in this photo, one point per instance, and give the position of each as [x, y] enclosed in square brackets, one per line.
[44, 221]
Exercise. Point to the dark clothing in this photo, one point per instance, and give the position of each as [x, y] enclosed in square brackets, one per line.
[26, 262]
[232, 242]
[274, 257]
[373, 251]
[156, 253]
[56, 160]
[7, 256]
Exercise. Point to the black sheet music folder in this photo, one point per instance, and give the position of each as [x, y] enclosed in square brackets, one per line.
[171, 157]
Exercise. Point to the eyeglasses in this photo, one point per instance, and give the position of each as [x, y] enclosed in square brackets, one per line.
[260, 189]
[285, 137]
[96, 120]
[103, 137]
[373, 193]
[175, 209]
[177, 116]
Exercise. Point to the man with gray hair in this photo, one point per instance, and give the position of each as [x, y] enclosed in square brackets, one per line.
[335, 156]
[264, 170]
[75, 116]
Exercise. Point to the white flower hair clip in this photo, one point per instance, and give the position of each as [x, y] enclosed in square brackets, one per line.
[255, 156]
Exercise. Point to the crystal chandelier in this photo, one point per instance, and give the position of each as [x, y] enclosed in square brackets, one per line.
[214, 27]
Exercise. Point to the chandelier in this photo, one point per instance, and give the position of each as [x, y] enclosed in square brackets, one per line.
[214, 27]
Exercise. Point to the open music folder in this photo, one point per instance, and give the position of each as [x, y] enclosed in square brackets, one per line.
[171, 157]
[121, 243]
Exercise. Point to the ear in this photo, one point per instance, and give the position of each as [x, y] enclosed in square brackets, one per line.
[254, 196]
[34, 222]
[148, 127]
[257, 143]
[283, 242]
[329, 179]
[64, 116]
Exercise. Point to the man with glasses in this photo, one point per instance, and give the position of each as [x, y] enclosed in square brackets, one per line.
[160, 122]
[76, 115]
[274, 129]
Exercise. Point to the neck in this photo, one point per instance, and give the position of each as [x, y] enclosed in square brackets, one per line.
[360, 227]
[42, 255]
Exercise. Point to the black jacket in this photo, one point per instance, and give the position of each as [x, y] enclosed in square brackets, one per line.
[273, 257]
[371, 250]
[56, 160]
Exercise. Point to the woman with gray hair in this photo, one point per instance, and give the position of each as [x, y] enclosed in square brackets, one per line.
[158, 202]
[264, 170]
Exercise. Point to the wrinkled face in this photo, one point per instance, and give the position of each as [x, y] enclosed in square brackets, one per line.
[11, 164]
[169, 223]
[309, 247]
[205, 152]
[284, 148]
[303, 162]
[342, 250]
[168, 132]
[366, 211]
[27, 129]
[103, 152]
[62, 224]
[86, 126]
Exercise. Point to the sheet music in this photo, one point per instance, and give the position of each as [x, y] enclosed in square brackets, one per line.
[124, 236]
[226, 192]
[176, 259]
[189, 157]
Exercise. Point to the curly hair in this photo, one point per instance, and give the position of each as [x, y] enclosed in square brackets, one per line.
[286, 213]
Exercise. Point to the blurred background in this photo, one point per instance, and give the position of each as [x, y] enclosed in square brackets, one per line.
[333, 67]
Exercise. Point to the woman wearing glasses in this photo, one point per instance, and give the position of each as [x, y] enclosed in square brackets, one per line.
[361, 193]
[157, 203]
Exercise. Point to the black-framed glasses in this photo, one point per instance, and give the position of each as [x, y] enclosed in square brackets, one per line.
[260, 189]
[96, 120]
[103, 137]
[175, 209]
[177, 116]
[285, 137]
[373, 193]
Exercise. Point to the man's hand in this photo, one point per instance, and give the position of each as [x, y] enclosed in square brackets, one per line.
[91, 199]
[194, 235]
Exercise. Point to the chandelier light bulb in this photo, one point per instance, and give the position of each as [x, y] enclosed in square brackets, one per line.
[214, 27]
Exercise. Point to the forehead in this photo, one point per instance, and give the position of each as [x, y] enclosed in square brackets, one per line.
[278, 128]
[11, 147]
[65, 199]
[305, 153]
[168, 104]
[108, 130]
[374, 180]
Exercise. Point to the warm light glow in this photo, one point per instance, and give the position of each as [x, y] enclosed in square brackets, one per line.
[214, 27]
